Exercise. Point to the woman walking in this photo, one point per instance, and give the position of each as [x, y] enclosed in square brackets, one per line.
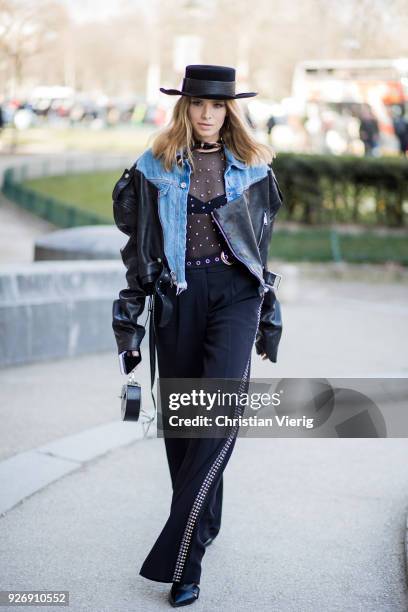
[200, 223]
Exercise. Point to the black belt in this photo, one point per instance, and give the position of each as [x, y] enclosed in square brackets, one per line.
[166, 307]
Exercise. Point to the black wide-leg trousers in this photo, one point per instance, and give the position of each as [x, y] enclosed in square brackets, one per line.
[210, 335]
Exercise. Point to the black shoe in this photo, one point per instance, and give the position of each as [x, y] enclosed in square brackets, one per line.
[183, 594]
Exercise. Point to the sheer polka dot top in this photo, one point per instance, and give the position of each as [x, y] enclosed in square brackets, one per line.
[205, 242]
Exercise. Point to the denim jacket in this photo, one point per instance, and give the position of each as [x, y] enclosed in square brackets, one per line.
[150, 206]
[173, 188]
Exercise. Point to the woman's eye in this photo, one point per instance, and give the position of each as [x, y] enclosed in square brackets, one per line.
[199, 102]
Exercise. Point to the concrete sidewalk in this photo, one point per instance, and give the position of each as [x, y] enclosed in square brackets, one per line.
[331, 328]
[18, 231]
[308, 525]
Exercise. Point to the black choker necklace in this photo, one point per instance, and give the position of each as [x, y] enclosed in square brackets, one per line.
[208, 145]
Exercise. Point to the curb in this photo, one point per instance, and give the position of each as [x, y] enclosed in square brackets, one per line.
[28, 472]
[406, 549]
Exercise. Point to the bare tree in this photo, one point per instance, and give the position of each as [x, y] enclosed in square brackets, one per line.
[264, 39]
[26, 30]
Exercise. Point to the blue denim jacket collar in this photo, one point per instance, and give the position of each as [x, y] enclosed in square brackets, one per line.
[173, 187]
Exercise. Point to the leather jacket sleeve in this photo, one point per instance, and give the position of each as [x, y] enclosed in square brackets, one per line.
[131, 301]
[270, 327]
[270, 322]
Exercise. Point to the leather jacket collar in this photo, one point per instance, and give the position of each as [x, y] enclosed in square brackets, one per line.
[148, 206]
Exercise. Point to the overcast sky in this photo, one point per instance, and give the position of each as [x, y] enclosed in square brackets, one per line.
[93, 10]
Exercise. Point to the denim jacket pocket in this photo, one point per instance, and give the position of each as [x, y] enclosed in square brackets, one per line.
[163, 189]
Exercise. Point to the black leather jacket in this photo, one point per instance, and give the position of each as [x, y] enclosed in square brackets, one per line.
[246, 223]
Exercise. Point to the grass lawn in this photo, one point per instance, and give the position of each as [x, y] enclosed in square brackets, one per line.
[93, 192]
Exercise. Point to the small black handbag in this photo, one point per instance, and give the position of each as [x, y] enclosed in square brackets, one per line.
[131, 394]
[131, 407]
[131, 397]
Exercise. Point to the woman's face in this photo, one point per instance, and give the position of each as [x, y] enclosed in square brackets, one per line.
[207, 117]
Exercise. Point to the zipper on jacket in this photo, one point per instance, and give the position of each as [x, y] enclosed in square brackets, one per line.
[265, 222]
[239, 258]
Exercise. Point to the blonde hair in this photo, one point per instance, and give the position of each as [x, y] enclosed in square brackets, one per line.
[178, 134]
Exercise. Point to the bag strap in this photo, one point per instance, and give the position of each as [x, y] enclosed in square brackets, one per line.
[152, 355]
[166, 311]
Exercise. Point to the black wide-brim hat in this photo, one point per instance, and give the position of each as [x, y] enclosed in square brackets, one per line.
[210, 82]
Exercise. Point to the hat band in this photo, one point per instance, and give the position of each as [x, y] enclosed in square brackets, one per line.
[197, 86]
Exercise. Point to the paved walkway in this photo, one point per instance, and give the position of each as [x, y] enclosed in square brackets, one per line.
[18, 231]
[308, 524]
[331, 328]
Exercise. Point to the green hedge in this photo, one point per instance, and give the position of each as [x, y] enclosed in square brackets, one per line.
[318, 190]
[317, 245]
[322, 189]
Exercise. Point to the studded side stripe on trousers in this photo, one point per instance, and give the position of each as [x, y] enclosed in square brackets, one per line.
[209, 478]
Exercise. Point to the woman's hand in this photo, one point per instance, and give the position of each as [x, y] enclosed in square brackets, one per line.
[133, 353]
